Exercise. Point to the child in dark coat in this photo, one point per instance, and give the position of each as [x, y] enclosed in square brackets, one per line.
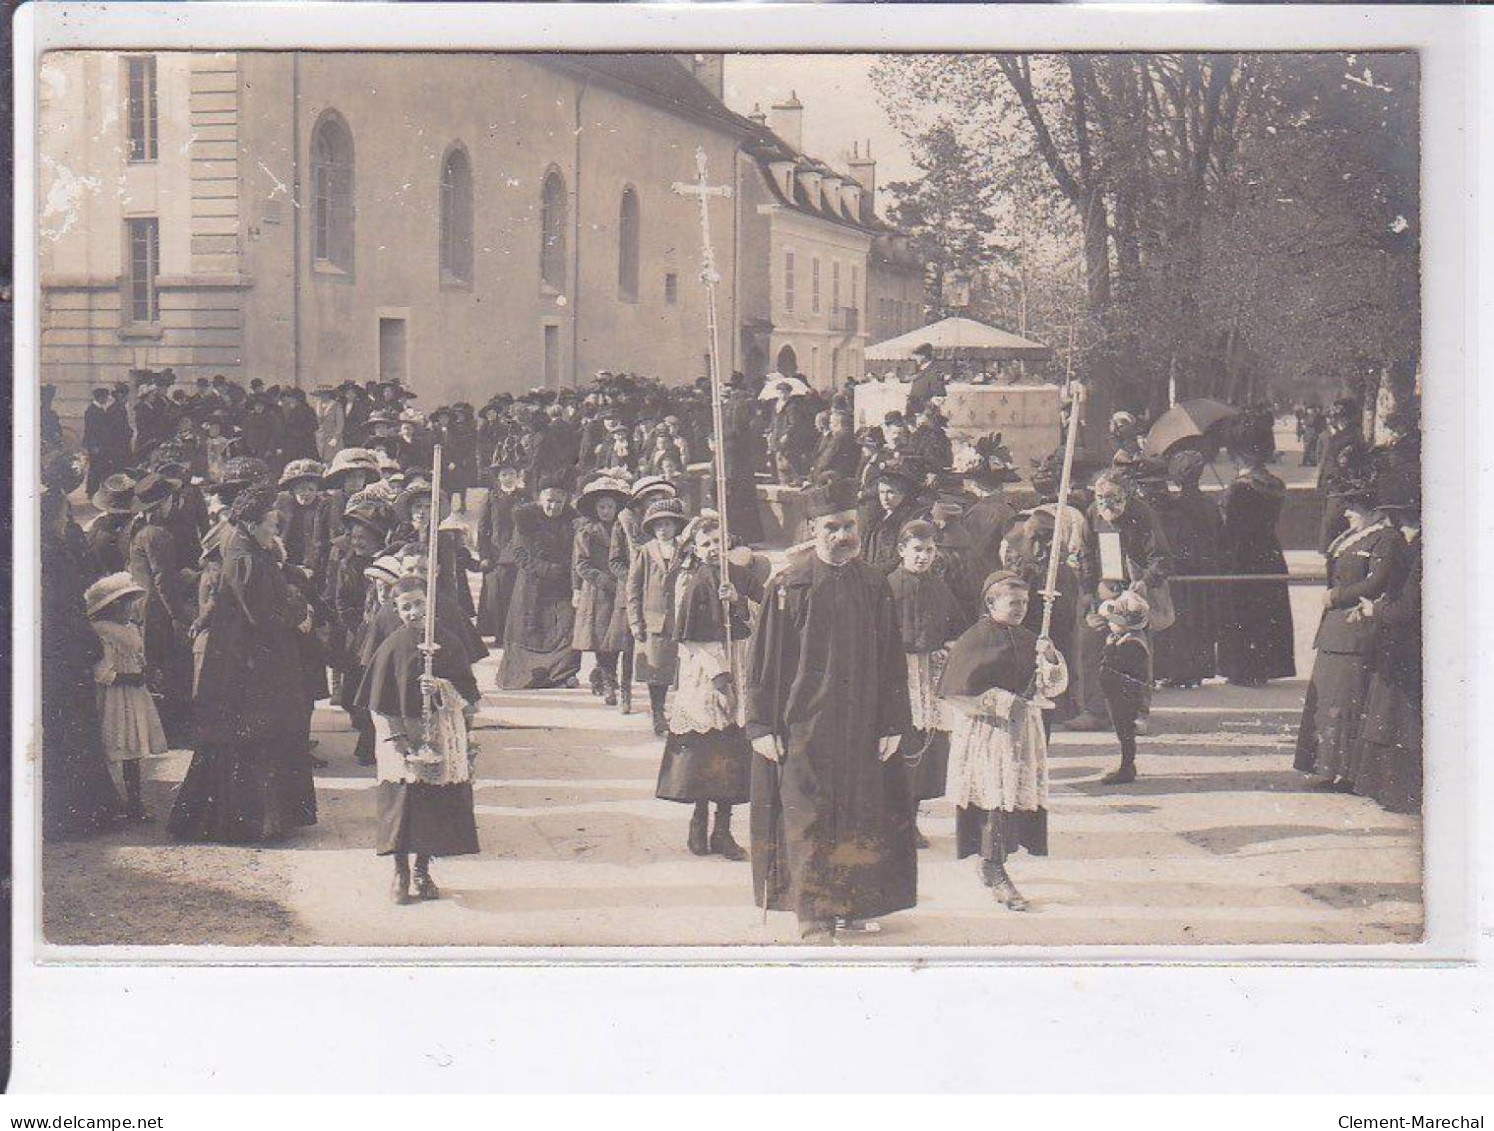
[1125, 666]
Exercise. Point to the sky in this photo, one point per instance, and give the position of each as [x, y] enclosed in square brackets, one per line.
[840, 106]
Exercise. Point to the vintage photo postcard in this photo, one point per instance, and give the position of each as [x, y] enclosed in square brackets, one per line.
[886, 499]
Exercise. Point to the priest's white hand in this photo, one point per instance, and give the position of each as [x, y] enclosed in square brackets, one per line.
[887, 746]
[767, 746]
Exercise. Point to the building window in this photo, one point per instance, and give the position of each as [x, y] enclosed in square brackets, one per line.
[788, 281]
[627, 246]
[835, 287]
[332, 193]
[855, 286]
[814, 365]
[814, 286]
[144, 234]
[671, 288]
[456, 217]
[553, 212]
[140, 116]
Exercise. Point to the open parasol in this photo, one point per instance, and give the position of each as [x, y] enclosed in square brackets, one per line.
[1185, 422]
[797, 388]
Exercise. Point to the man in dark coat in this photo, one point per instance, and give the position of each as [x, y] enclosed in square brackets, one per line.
[791, 435]
[826, 702]
[928, 381]
[838, 454]
[1125, 549]
[101, 440]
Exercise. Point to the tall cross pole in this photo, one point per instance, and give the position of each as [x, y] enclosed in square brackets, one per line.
[703, 190]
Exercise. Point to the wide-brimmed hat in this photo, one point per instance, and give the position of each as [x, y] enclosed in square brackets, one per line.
[661, 509]
[649, 484]
[107, 590]
[350, 459]
[153, 490]
[302, 470]
[370, 513]
[603, 487]
[116, 495]
[385, 568]
[420, 488]
[243, 470]
[1130, 608]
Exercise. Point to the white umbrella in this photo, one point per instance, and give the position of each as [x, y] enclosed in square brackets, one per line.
[797, 388]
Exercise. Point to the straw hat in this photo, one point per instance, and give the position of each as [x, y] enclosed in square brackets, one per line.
[116, 495]
[662, 509]
[107, 590]
[651, 484]
[407, 497]
[384, 568]
[302, 470]
[350, 459]
[599, 489]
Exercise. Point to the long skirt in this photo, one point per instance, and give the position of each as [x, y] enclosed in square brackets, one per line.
[78, 795]
[1328, 737]
[492, 606]
[994, 834]
[245, 792]
[522, 669]
[1184, 653]
[1255, 633]
[428, 820]
[925, 756]
[1390, 767]
[710, 766]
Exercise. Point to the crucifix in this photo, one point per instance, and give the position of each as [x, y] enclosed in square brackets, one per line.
[703, 190]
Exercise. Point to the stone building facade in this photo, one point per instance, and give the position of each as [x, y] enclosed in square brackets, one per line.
[470, 223]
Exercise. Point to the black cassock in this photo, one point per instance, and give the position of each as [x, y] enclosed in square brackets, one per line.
[832, 825]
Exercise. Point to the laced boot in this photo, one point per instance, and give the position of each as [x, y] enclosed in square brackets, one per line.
[697, 842]
[722, 842]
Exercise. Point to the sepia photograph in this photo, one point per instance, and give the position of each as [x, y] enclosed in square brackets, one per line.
[728, 500]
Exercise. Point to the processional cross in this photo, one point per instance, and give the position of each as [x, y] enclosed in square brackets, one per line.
[703, 190]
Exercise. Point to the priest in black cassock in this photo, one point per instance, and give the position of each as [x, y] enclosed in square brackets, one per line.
[826, 701]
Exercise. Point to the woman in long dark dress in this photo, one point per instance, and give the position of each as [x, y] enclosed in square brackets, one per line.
[1362, 562]
[1255, 636]
[1391, 730]
[537, 649]
[78, 794]
[250, 779]
[1183, 654]
[495, 531]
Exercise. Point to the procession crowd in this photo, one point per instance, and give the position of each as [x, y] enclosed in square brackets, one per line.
[256, 551]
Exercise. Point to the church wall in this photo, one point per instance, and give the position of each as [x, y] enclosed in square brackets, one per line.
[625, 143]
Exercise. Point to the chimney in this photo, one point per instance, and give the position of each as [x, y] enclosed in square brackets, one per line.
[757, 115]
[709, 71]
[787, 121]
[864, 169]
